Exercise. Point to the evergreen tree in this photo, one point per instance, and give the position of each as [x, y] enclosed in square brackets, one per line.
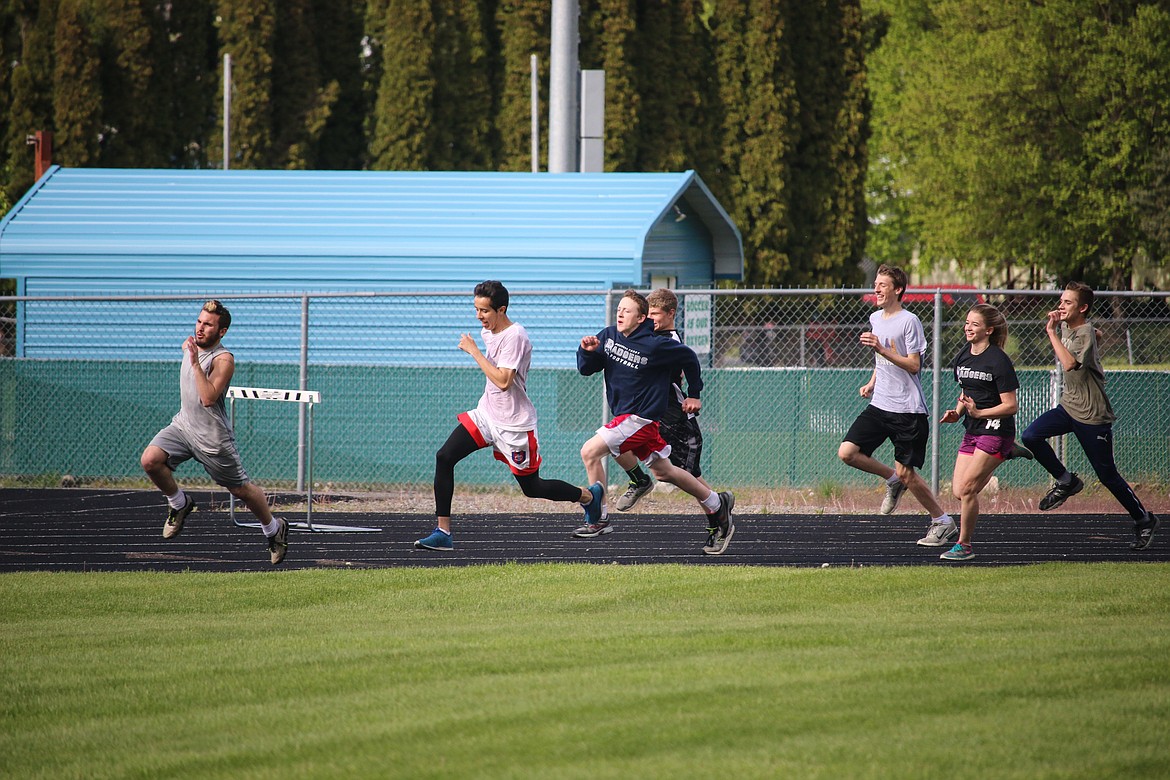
[77, 89]
[403, 122]
[301, 101]
[125, 33]
[339, 33]
[700, 109]
[609, 41]
[758, 90]
[464, 137]
[186, 82]
[524, 27]
[660, 133]
[247, 31]
[828, 162]
[31, 103]
[9, 53]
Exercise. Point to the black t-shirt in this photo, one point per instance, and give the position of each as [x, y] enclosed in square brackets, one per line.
[983, 377]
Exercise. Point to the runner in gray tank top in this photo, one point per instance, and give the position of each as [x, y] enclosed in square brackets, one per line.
[201, 430]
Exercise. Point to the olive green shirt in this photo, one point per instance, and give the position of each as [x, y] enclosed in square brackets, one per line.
[1084, 386]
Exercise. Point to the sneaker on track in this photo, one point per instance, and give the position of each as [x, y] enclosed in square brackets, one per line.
[940, 535]
[278, 542]
[174, 524]
[960, 552]
[1061, 493]
[632, 494]
[590, 530]
[439, 540]
[595, 524]
[722, 526]
[893, 494]
[1144, 532]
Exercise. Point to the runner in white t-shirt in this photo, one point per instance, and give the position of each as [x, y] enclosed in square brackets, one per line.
[504, 419]
[897, 409]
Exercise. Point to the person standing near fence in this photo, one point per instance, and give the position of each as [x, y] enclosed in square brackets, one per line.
[504, 419]
[201, 430]
[1084, 410]
[897, 407]
[680, 423]
[639, 366]
[987, 406]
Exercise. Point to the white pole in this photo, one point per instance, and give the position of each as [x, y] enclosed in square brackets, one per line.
[535, 100]
[562, 88]
[227, 109]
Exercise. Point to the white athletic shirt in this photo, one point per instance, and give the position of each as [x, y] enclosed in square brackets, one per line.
[510, 409]
[895, 389]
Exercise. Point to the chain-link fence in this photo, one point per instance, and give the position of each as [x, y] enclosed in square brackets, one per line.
[86, 382]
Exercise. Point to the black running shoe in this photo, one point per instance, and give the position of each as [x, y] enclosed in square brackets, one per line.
[1020, 452]
[722, 526]
[1061, 493]
[1144, 532]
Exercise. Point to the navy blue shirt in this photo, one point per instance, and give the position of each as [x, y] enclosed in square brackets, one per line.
[640, 369]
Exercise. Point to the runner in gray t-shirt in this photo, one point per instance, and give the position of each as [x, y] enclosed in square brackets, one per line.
[201, 430]
[897, 407]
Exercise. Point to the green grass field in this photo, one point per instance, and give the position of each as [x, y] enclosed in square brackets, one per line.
[583, 671]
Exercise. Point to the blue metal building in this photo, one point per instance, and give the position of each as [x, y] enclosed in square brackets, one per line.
[102, 232]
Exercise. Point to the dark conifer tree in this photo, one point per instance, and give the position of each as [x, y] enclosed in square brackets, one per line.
[464, 137]
[247, 31]
[339, 41]
[828, 162]
[31, 102]
[77, 89]
[523, 27]
[609, 42]
[403, 121]
[758, 91]
[187, 78]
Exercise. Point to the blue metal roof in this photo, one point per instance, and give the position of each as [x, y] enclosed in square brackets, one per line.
[95, 232]
[349, 230]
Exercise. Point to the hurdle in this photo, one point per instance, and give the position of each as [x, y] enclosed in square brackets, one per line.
[310, 398]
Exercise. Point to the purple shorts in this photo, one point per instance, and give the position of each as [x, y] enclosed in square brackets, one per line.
[996, 446]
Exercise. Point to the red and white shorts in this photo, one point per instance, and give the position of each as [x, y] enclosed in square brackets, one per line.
[516, 448]
[630, 433]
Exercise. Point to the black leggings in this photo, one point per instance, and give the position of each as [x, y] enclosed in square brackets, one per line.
[458, 446]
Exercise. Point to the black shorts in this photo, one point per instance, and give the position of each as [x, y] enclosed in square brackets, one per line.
[686, 442]
[908, 432]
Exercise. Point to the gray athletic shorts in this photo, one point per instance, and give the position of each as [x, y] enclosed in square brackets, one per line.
[223, 466]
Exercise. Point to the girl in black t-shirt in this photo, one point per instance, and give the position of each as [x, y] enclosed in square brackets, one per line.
[987, 405]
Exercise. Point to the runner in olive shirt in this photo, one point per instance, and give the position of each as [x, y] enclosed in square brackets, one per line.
[1085, 411]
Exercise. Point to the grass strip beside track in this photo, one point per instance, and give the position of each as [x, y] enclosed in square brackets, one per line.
[588, 671]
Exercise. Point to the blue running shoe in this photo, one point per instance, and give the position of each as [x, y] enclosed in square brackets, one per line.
[960, 552]
[595, 524]
[439, 540]
[593, 508]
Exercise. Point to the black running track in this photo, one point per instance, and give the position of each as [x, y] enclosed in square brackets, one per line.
[121, 530]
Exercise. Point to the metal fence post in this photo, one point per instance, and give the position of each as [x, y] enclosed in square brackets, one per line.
[936, 375]
[304, 385]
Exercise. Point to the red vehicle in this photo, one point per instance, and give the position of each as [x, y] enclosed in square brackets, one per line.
[952, 297]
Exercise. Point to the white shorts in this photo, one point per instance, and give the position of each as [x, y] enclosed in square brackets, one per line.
[518, 449]
[630, 433]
